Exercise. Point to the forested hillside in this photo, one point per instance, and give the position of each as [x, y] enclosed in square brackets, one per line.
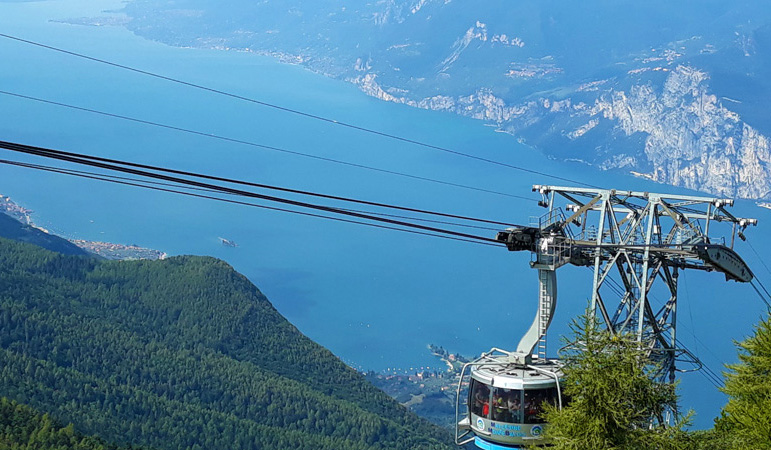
[180, 353]
[13, 229]
[22, 428]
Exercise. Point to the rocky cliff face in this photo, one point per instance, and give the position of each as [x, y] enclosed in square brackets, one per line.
[674, 92]
[691, 138]
[684, 135]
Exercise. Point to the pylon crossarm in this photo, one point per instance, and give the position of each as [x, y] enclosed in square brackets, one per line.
[581, 210]
[672, 214]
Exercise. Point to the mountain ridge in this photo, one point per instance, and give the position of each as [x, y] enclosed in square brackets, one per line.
[180, 353]
[532, 70]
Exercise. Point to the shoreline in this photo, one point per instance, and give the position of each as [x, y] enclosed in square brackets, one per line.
[107, 250]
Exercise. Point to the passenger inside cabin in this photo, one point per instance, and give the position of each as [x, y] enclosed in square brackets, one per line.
[481, 404]
[513, 403]
[533, 402]
[500, 408]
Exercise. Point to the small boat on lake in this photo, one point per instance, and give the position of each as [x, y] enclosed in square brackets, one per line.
[228, 242]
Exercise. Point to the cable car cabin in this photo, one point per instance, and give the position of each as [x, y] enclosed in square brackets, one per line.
[505, 403]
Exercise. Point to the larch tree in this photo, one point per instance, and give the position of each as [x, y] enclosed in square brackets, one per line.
[746, 419]
[614, 402]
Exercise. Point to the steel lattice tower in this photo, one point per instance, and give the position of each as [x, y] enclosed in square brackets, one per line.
[643, 239]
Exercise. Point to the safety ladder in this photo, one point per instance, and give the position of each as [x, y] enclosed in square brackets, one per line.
[544, 312]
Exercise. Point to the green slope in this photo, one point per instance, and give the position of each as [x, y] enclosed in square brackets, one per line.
[22, 428]
[13, 229]
[180, 353]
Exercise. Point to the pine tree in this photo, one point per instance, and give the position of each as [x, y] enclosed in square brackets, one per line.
[746, 418]
[614, 402]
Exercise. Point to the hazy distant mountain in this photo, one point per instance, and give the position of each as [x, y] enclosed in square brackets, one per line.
[674, 91]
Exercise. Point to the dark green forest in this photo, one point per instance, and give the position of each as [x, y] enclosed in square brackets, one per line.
[13, 229]
[182, 353]
[22, 428]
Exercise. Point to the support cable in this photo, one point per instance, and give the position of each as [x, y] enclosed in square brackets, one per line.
[156, 187]
[760, 294]
[23, 148]
[292, 111]
[763, 287]
[762, 261]
[38, 151]
[760, 283]
[690, 312]
[93, 175]
[261, 146]
[705, 370]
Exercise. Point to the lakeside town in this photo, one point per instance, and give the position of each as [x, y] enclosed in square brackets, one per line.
[105, 250]
[428, 393]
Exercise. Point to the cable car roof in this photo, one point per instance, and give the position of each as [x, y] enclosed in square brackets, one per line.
[510, 376]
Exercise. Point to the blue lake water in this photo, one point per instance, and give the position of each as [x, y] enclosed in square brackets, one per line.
[376, 298]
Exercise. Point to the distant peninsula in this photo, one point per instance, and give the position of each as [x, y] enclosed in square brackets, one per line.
[109, 250]
[39, 235]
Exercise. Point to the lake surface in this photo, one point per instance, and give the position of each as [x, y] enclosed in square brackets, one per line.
[375, 297]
